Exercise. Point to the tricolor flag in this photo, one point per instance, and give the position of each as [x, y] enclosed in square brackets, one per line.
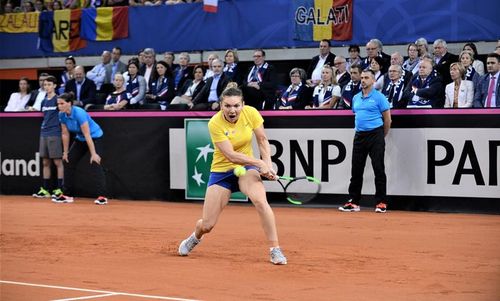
[59, 31]
[316, 20]
[105, 23]
[210, 5]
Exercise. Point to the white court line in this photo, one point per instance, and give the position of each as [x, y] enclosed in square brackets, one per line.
[96, 291]
[88, 297]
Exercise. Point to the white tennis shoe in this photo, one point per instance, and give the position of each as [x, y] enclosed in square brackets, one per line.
[277, 256]
[188, 244]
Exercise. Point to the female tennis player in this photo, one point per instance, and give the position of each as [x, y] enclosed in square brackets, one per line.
[88, 139]
[231, 132]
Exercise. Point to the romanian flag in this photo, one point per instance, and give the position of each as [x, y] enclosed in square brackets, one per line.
[105, 23]
[59, 31]
[316, 20]
[210, 5]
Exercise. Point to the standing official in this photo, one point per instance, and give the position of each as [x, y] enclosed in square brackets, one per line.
[372, 123]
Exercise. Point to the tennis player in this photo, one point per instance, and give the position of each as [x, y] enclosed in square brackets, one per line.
[88, 138]
[231, 131]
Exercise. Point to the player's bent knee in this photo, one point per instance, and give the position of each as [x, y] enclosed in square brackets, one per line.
[206, 227]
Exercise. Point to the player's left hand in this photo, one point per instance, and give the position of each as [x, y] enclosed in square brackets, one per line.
[95, 158]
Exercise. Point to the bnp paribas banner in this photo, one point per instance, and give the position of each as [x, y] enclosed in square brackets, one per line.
[199, 155]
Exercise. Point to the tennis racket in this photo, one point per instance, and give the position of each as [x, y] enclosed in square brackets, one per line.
[300, 190]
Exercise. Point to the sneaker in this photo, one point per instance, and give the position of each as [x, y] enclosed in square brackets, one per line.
[56, 193]
[62, 199]
[277, 256]
[381, 208]
[101, 201]
[348, 207]
[188, 244]
[42, 193]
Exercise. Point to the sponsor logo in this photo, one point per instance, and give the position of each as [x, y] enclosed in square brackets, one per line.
[20, 167]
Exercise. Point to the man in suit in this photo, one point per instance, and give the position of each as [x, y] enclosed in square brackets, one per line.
[443, 60]
[425, 90]
[259, 87]
[116, 66]
[182, 73]
[325, 57]
[343, 77]
[83, 88]
[148, 70]
[38, 95]
[375, 48]
[487, 92]
[208, 98]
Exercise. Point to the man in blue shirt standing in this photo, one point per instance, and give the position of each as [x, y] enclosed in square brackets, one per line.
[372, 123]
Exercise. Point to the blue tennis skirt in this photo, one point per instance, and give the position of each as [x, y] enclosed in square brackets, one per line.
[227, 179]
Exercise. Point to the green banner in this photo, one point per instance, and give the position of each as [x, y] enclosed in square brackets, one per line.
[199, 154]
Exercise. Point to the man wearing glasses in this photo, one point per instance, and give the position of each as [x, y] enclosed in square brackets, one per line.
[260, 84]
[373, 49]
[343, 77]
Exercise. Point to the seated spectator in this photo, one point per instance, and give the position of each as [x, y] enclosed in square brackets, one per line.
[210, 72]
[354, 58]
[136, 84]
[325, 57]
[148, 70]
[342, 76]
[477, 64]
[28, 7]
[18, 100]
[326, 94]
[422, 46]
[191, 88]
[8, 8]
[119, 99]
[140, 57]
[413, 61]
[297, 95]
[231, 67]
[376, 66]
[397, 59]
[259, 88]
[83, 88]
[425, 89]
[487, 92]
[98, 73]
[443, 60]
[161, 90]
[169, 58]
[394, 87]
[57, 5]
[38, 95]
[208, 98]
[352, 88]
[183, 72]
[467, 59]
[115, 65]
[39, 7]
[374, 48]
[459, 93]
[68, 74]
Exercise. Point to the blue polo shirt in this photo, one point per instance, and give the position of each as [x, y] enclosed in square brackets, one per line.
[368, 110]
[75, 120]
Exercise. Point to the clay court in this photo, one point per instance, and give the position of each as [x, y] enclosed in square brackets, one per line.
[127, 251]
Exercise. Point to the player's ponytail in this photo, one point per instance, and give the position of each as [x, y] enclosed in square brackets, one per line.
[231, 90]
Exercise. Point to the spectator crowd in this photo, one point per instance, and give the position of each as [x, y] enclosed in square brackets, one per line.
[427, 76]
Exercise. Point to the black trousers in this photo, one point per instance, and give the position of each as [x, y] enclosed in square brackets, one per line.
[76, 152]
[371, 143]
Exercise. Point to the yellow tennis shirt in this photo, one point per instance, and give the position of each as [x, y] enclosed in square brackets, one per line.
[239, 134]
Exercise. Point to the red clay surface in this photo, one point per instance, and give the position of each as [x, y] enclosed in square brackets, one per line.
[130, 247]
